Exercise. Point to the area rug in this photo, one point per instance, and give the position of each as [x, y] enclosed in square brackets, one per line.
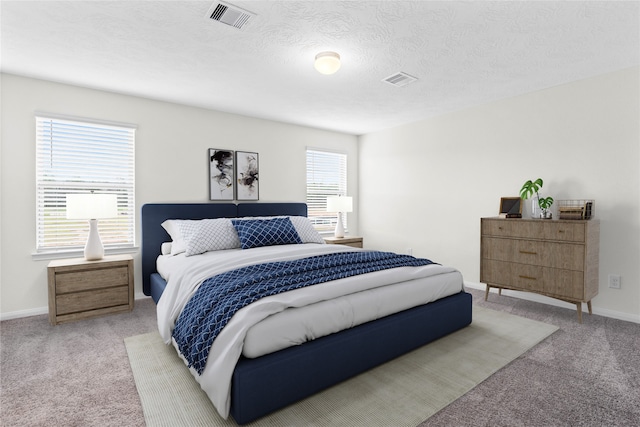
[402, 392]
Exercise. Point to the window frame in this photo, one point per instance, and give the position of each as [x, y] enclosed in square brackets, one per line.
[325, 222]
[91, 156]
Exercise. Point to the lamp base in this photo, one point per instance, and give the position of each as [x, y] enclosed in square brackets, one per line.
[339, 231]
[93, 250]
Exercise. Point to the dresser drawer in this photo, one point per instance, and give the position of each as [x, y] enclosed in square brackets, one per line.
[73, 281]
[534, 252]
[564, 231]
[538, 229]
[549, 281]
[91, 300]
[512, 275]
[512, 228]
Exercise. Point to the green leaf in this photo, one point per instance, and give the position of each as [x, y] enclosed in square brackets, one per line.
[530, 187]
[545, 202]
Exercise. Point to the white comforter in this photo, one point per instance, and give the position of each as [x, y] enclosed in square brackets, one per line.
[185, 274]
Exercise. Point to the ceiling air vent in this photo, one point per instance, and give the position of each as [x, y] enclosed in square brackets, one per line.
[229, 14]
[400, 79]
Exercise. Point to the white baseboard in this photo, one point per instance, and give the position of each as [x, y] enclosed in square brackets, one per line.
[45, 310]
[551, 301]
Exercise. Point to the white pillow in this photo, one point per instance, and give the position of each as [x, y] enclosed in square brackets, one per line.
[305, 230]
[180, 231]
[165, 248]
[212, 235]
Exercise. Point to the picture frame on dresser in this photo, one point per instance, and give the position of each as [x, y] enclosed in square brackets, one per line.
[510, 206]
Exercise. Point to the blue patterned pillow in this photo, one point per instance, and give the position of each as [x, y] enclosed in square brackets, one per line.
[254, 233]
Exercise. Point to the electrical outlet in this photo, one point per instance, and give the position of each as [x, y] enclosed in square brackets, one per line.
[615, 281]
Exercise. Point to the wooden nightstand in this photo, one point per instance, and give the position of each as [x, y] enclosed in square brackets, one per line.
[353, 241]
[79, 289]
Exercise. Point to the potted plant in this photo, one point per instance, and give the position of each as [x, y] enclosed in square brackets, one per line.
[530, 188]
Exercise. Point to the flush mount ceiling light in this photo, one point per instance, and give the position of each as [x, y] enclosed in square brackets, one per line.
[327, 62]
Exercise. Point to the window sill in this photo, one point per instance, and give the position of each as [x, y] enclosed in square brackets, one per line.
[79, 253]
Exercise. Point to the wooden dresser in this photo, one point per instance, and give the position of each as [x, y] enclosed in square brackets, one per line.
[554, 258]
[79, 289]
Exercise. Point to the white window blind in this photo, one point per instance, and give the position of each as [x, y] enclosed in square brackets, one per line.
[326, 176]
[74, 156]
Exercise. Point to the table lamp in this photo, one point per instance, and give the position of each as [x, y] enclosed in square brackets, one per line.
[339, 204]
[92, 207]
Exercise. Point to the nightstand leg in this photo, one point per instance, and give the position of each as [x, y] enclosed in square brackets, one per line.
[486, 292]
[589, 307]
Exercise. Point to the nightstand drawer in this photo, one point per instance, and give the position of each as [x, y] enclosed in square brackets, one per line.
[91, 300]
[74, 281]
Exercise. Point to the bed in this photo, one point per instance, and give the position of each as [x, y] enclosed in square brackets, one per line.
[263, 383]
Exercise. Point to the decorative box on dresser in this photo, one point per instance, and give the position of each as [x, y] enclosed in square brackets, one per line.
[80, 289]
[555, 258]
[353, 241]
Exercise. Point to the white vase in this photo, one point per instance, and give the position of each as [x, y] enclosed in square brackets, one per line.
[535, 208]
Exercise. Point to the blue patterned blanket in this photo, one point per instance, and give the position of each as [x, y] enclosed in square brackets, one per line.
[221, 296]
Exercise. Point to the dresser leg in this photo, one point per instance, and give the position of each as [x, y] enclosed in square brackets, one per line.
[589, 307]
[579, 308]
[486, 292]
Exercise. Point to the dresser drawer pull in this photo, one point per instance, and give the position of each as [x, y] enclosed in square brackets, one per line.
[528, 277]
[560, 231]
[529, 252]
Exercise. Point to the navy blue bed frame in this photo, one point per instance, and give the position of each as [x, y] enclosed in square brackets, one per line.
[268, 383]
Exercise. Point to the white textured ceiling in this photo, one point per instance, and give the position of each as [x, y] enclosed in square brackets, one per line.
[463, 53]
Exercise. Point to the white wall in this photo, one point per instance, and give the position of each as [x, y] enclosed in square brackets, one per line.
[426, 185]
[422, 186]
[171, 165]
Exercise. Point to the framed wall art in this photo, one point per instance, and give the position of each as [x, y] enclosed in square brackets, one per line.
[247, 169]
[221, 186]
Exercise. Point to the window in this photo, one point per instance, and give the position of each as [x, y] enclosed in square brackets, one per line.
[74, 156]
[326, 176]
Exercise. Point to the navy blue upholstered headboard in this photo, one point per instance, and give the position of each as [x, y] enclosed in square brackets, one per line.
[154, 214]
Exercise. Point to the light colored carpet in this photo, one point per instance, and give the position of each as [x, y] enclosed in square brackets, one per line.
[403, 392]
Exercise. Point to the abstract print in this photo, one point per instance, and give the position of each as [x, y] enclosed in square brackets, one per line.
[221, 174]
[247, 175]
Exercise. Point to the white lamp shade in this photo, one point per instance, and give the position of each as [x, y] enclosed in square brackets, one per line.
[339, 204]
[91, 206]
[327, 62]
